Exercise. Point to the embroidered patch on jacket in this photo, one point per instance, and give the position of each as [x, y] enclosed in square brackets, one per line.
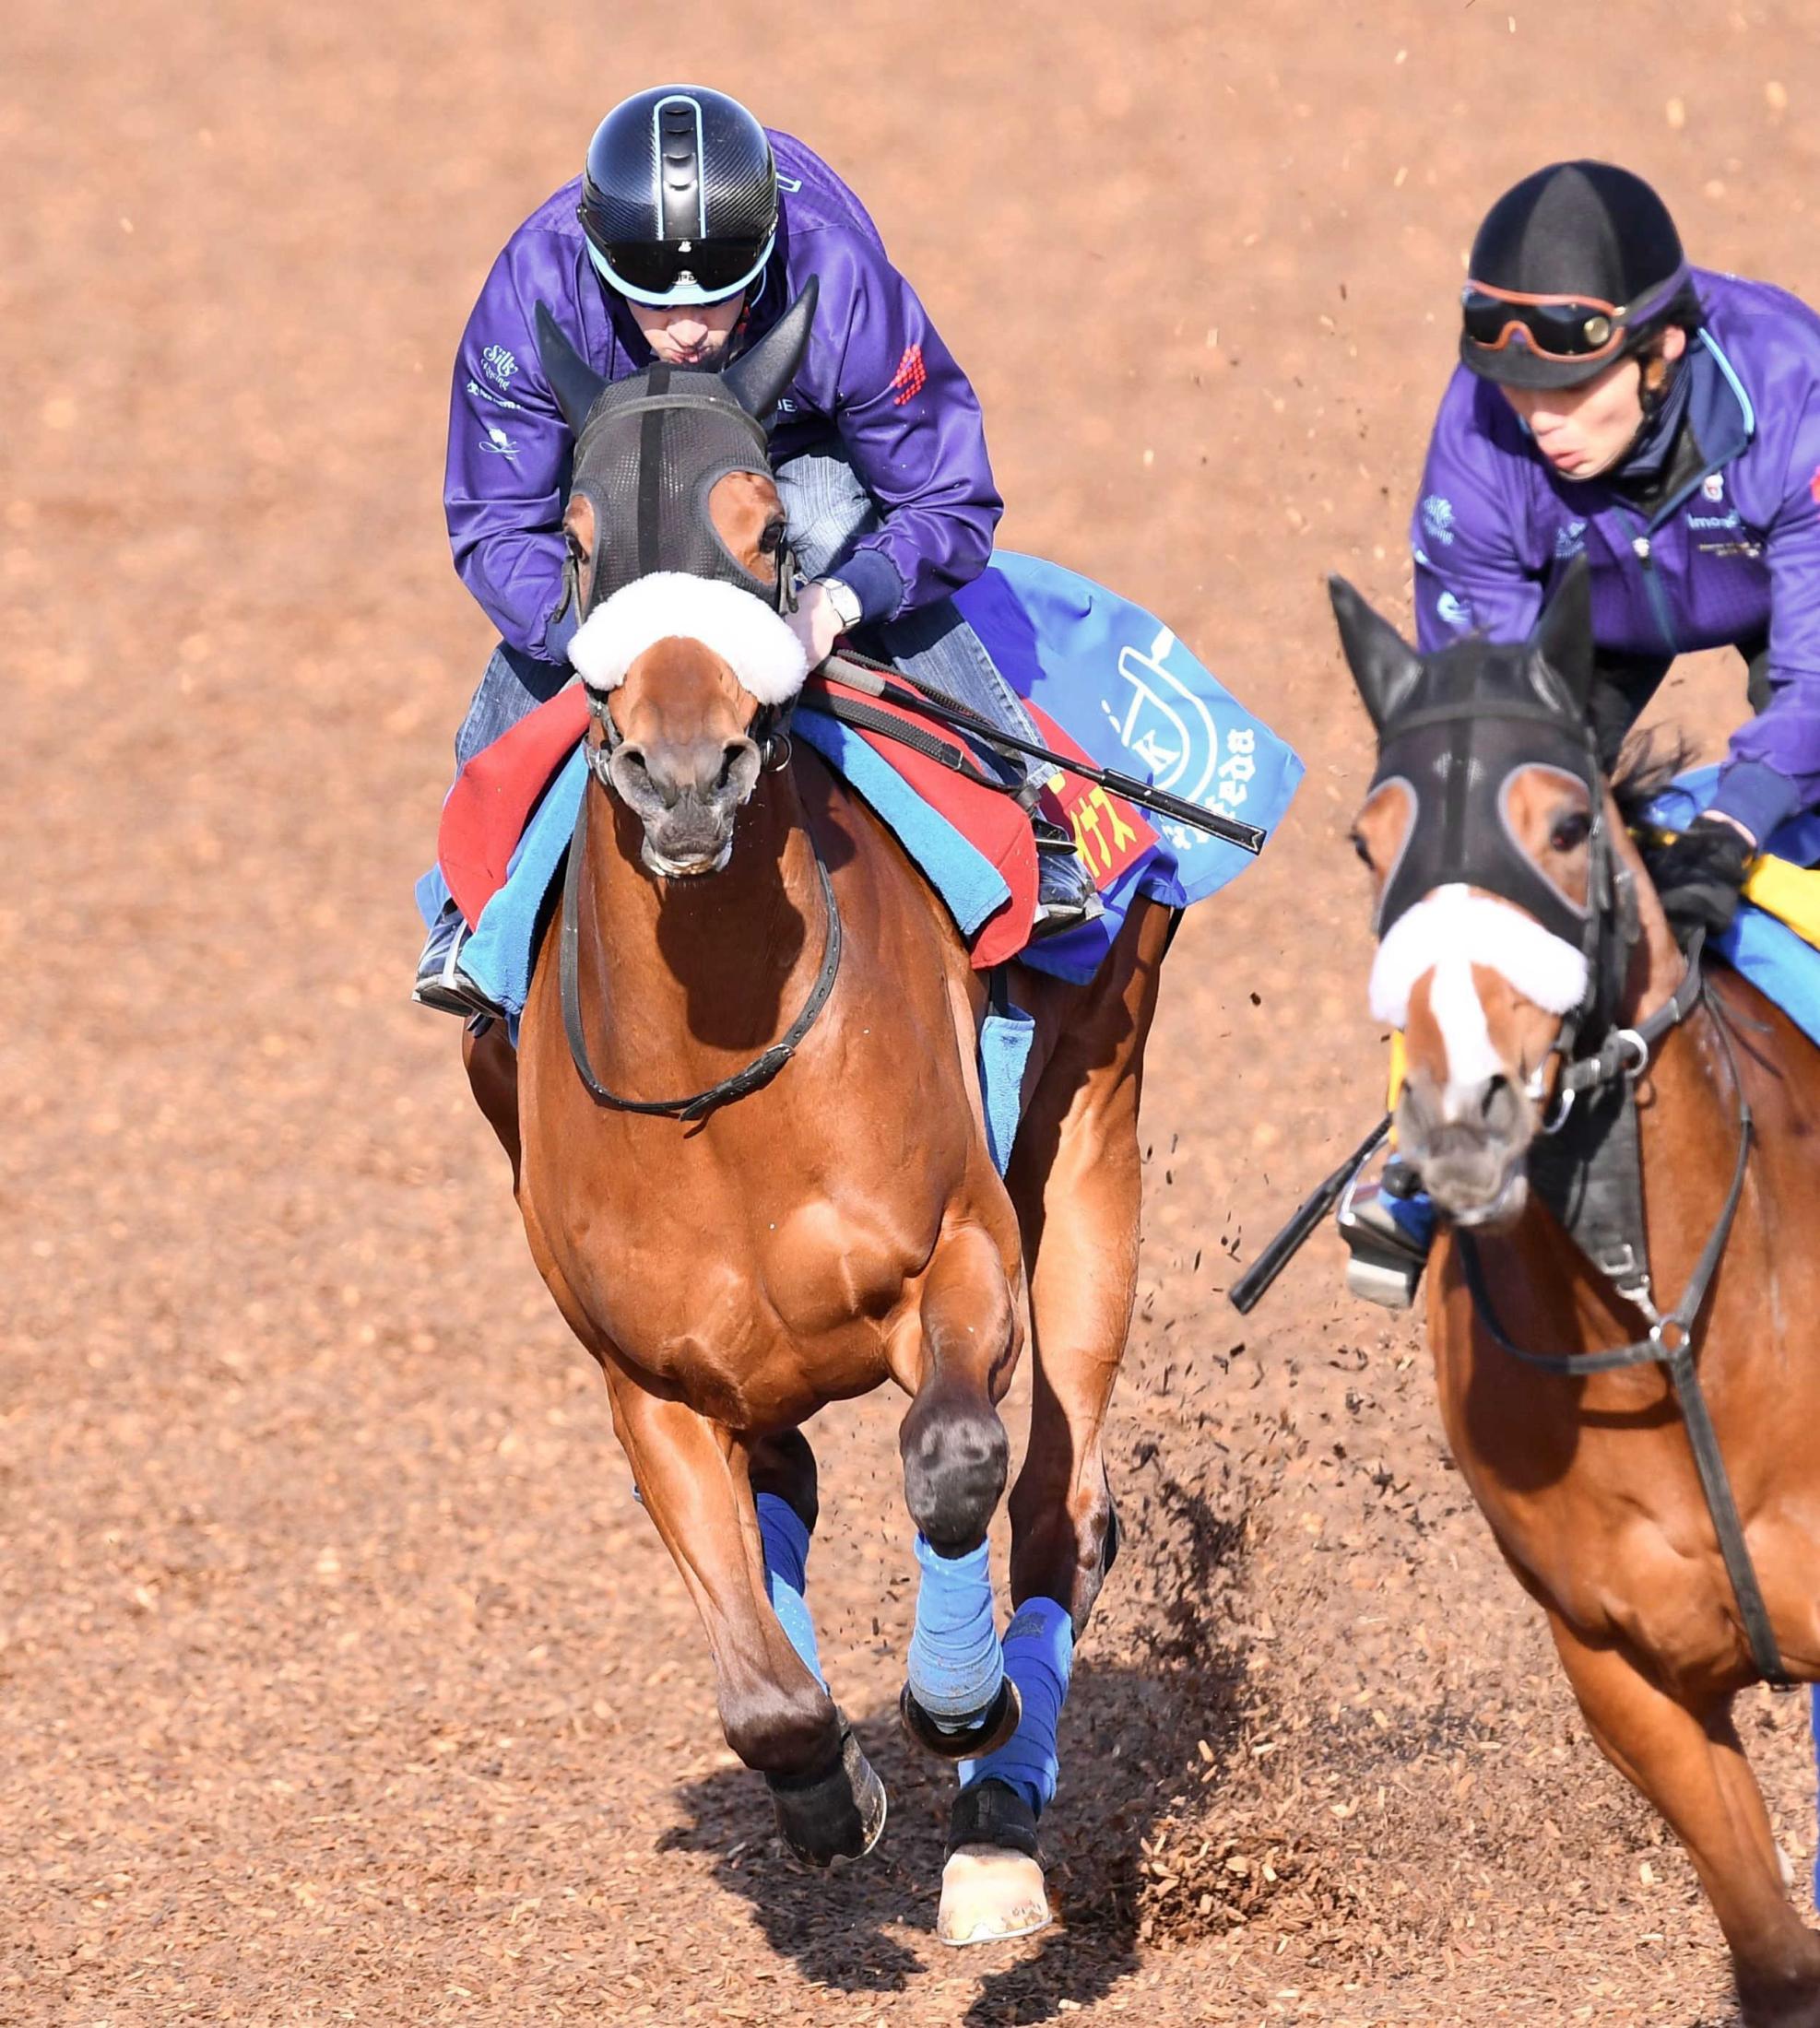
[911, 374]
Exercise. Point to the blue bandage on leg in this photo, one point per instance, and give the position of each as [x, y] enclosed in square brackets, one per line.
[956, 1665]
[1039, 1658]
[786, 1576]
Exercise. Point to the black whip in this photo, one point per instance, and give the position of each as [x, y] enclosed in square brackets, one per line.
[862, 675]
[1244, 1293]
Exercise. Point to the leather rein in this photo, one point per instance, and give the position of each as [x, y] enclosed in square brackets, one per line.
[775, 747]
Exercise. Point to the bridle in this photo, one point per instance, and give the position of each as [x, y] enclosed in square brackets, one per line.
[769, 730]
[1587, 1165]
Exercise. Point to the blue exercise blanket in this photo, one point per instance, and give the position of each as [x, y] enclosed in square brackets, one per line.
[1123, 687]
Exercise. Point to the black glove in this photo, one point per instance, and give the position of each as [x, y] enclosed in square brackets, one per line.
[1698, 876]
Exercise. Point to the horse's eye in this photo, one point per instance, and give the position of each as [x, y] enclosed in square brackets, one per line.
[1570, 831]
[771, 540]
[1363, 850]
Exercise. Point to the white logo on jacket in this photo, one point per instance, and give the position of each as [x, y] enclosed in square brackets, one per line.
[1437, 518]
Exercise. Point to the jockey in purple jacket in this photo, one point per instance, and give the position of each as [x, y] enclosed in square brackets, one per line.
[1664, 421]
[691, 231]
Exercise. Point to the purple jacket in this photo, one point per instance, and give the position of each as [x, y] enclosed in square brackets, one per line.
[876, 374]
[1731, 559]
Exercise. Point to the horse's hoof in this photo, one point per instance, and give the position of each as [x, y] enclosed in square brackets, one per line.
[1001, 1720]
[837, 1814]
[989, 1895]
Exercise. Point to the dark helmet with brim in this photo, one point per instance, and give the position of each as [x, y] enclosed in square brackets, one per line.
[1577, 265]
[679, 197]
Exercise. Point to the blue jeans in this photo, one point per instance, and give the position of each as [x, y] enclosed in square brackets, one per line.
[828, 510]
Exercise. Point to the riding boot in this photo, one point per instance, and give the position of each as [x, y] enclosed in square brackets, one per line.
[1066, 895]
[441, 980]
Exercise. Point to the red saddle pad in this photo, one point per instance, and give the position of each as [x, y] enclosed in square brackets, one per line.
[487, 811]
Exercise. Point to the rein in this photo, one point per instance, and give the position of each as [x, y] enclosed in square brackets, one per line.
[757, 1073]
[1671, 1341]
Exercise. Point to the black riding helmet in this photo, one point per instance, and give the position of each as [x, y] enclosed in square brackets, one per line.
[679, 197]
[1576, 266]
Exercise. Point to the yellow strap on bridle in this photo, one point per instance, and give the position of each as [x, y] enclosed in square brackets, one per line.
[1399, 1064]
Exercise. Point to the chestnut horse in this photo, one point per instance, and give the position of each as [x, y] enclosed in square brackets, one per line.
[1545, 1006]
[833, 1219]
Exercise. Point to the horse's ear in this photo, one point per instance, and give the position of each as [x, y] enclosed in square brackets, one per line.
[1384, 666]
[1563, 638]
[761, 375]
[572, 380]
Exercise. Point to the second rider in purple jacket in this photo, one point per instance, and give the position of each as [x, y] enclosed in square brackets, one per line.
[1664, 421]
[690, 233]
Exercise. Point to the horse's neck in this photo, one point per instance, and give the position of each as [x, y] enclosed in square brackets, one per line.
[680, 976]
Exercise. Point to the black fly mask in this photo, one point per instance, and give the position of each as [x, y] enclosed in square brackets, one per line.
[1455, 730]
[651, 448]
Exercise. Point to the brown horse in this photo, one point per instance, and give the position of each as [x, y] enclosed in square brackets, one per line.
[833, 1222]
[1546, 1007]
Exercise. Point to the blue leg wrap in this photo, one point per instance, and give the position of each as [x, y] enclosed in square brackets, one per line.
[956, 1665]
[786, 1576]
[1039, 1658]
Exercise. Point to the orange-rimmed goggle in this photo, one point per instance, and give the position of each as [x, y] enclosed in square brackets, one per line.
[1556, 328]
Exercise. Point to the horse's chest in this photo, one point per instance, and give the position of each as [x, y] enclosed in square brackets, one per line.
[739, 1298]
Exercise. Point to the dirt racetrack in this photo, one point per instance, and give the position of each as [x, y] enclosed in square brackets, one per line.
[342, 1680]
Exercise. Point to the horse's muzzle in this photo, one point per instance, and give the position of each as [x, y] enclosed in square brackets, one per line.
[686, 797]
[1469, 1147]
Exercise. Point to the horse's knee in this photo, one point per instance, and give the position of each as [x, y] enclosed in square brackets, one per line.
[956, 1455]
[782, 1730]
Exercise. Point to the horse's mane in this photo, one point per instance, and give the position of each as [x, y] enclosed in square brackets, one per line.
[1648, 762]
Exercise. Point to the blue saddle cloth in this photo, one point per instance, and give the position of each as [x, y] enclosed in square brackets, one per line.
[1117, 680]
[1783, 967]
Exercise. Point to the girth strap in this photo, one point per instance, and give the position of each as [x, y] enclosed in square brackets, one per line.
[760, 1071]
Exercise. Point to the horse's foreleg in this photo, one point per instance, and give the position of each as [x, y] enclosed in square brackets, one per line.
[958, 1357]
[1077, 1182]
[777, 1716]
[1693, 1768]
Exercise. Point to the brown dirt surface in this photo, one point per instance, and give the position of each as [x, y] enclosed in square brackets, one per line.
[342, 1678]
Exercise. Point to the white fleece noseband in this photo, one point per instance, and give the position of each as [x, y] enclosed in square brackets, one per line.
[1448, 933]
[754, 641]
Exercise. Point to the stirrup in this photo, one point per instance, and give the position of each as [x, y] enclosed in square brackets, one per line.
[1072, 898]
[1387, 1228]
[448, 988]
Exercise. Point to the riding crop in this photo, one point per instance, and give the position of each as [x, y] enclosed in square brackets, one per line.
[871, 679]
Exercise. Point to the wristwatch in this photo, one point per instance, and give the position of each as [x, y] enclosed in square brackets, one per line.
[844, 600]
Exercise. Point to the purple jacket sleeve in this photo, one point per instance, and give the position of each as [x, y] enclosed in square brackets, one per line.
[910, 422]
[509, 450]
[1468, 528]
[1774, 761]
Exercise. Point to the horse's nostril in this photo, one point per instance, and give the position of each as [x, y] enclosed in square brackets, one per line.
[1495, 1090]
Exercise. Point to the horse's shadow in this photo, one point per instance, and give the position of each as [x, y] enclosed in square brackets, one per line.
[1130, 1743]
